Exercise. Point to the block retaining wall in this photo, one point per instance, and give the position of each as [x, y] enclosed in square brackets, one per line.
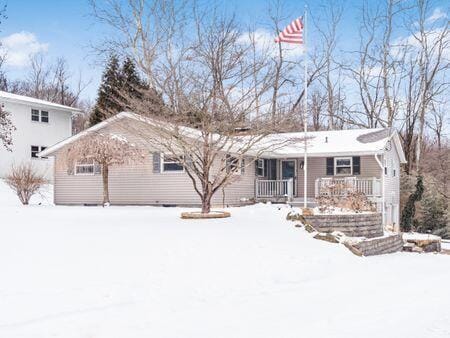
[380, 246]
[355, 225]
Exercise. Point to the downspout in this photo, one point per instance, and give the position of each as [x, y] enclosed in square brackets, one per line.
[383, 209]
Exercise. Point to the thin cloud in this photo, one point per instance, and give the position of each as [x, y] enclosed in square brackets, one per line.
[437, 14]
[265, 42]
[19, 47]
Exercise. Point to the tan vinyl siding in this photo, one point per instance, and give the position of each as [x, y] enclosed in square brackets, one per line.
[138, 184]
[317, 168]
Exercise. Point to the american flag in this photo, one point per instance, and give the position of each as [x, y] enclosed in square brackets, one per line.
[293, 33]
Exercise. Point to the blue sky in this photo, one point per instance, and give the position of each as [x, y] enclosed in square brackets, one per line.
[65, 28]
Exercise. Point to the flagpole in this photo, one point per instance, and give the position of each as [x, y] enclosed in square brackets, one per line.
[305, 119]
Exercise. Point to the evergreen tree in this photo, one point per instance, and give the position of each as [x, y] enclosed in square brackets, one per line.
[108, 100]
[138, 92]
[409, 210]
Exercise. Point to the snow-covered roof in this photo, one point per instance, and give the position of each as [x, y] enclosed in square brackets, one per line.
[5, 96]
[335, 143]
[320, 143]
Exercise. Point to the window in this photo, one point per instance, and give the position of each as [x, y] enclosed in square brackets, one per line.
[44, 116]
[86, 167]
[343, 165]
[232, 164]
[171, 163]
[260, 167]
[39, 116]
[34, 151]
[35, 115]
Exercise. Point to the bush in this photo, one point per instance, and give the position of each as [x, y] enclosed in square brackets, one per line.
[433, 212]
[344, 196]
[407, 221]
[25, 181]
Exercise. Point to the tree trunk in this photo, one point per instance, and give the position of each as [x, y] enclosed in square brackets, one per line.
[105, 174]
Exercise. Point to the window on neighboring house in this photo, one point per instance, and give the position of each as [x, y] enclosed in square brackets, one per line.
[171, 163]
[35, 150]
[35, 115]
[86, 167]
[39, 116]
[260, 167]
[343, 165]
[385, 167]
[44, 116]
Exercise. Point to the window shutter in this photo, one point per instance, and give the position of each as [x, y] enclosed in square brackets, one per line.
[156, 162]
[330, 166]
[243, 166]
[227, 163]
[97, 169]
[356, 165]
[70, 169]
[256, 167]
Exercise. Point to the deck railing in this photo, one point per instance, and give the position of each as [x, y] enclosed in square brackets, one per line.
[370, 186]
[275, 188]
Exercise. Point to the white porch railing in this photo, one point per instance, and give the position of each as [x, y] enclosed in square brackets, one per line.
[274, 188]
[370, 186]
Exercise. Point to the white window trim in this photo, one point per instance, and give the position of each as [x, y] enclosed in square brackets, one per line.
[39, 115]
[258, 161]
[84, 165]
[343, 158]
[170, 171]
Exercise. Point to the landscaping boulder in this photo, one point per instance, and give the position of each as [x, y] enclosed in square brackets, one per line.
[415, 242]
[324, 236]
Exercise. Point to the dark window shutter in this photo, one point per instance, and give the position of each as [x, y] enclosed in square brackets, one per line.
[256, 167]
[330, 166]
[356, 165]
[243, 166]
[70, 169]
[97, 169]
[156, 162]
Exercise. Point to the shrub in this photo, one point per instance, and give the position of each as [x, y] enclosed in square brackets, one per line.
[407, 221]
[25, 181]
[344, 196]
[433, 217]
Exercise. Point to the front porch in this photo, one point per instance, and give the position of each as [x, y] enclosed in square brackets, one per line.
[281, 180]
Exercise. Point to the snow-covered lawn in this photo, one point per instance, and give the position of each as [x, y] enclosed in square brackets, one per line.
[135, 272]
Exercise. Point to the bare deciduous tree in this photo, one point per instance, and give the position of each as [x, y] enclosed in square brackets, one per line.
[105, 150]
[25, 181]
[209, 81]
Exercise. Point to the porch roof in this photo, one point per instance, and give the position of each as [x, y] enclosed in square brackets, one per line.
[333, 143]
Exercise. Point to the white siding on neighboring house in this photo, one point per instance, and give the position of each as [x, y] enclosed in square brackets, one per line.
[33, 133]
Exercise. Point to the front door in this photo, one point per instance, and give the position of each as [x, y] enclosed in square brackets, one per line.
[288, 170]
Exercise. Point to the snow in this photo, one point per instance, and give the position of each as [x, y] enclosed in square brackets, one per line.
[418, 236]
[28, 99]
[93, 272]
[324, 143]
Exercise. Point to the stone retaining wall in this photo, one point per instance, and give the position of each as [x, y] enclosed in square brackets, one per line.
[354, 225]
[381, 245]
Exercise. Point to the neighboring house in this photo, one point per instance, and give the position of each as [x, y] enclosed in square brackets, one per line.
[39, 124]
[369, 159]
